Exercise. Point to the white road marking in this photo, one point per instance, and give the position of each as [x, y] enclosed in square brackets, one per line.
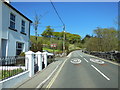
[103, 59]
[100, 72]
[69, 55]
[54, 78]
[47, 77]
[56, 75]
[97, 61]
[75, 61]
[86, 60]
[81, 55]
[50, 74]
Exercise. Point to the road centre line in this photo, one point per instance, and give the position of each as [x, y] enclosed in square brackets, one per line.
[86, 60]
[100, 72]
[82, 56]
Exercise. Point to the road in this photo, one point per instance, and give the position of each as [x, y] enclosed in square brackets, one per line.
[87, 74]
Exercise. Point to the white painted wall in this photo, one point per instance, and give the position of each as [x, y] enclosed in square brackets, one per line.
[13, 36]
[0, 27]
[12, 81]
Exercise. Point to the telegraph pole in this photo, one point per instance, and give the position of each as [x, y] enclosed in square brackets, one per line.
[64, 39]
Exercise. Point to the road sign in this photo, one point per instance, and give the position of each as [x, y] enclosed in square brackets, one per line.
[53, 45]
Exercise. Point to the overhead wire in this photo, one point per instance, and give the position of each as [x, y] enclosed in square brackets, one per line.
[57, 12]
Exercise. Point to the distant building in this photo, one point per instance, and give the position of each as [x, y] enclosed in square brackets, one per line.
[14, 30]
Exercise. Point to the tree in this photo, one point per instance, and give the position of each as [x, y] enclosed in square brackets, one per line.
[36, 46]
[85, 38]
[48, 32]
[106, 39]
[36, 24]
[92, 44]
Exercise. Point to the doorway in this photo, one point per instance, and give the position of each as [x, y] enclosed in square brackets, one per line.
[4, 47]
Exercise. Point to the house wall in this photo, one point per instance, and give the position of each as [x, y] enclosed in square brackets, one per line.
[12, 36]
[0, 27]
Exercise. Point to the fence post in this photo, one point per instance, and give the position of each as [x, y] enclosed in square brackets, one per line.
[30, 56]
[45, 58]
[39, 55]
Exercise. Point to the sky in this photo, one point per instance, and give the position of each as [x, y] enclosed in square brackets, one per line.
[79, 17]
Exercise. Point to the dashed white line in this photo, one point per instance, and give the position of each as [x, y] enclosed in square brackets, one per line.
[100, 72]
[81, 55]
[86, 60]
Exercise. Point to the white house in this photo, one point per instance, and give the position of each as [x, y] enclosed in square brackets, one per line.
[14, 31]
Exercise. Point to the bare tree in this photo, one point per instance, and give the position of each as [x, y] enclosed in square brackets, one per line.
[36, 23]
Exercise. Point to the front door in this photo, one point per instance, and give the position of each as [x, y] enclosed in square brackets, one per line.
[4, 46]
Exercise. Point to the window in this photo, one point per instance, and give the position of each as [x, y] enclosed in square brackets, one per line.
[23, 26]
[19, 48]
[12, 21]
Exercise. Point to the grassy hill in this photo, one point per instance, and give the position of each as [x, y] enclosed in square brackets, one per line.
[46, 42]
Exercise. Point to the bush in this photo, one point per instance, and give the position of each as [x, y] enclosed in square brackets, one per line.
[69, 51]
[22, 54]
[36, 47]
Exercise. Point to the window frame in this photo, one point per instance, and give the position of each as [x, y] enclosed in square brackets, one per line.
[19, 48]
[23, 26]
[12, 21]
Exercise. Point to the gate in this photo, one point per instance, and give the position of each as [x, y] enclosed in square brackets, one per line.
[35, 63]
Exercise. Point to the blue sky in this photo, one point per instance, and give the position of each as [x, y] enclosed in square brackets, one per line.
[79, 17]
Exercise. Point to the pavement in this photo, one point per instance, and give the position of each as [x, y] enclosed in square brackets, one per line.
[38, 80]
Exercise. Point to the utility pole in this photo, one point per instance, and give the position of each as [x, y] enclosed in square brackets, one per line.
[64, 39]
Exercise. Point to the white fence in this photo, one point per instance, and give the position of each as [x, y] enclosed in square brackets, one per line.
[31, 59]
[11, 67]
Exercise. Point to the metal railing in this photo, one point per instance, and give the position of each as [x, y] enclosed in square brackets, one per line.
[10, 66]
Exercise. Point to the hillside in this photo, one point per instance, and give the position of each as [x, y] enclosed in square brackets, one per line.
[45, 44]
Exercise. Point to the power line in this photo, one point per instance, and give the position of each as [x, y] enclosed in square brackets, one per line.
[63, 26]
[57, 13]
[53, 26]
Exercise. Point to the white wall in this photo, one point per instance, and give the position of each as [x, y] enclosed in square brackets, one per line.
[0, 27]
[12, 81]
[5, 21]
[13, 36]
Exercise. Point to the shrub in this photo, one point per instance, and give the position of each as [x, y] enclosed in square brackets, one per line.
[22, 54]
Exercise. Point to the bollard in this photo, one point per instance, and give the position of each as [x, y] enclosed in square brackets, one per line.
[30, 56]
[39, 55]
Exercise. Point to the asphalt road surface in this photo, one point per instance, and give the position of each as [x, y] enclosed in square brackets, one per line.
[86, 74]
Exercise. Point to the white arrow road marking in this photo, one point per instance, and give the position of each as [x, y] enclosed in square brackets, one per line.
[100, 72]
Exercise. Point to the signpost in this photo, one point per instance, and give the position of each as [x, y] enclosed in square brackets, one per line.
[53, 46]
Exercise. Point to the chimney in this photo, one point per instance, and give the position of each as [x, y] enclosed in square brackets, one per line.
[8, 1]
